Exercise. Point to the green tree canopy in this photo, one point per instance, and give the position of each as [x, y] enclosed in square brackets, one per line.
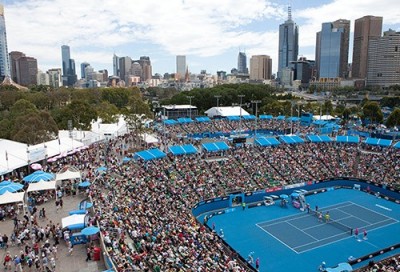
[372, 112]
[394, 118]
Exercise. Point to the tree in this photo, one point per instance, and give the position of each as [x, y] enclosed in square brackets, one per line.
[394, 118]
[372, 112]
[108, 113]
[81, 113]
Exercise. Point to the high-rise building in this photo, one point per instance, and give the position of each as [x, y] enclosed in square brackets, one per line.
[27, 71]
[366, 29]
[180, 67]
[331, 50]
[115, 65]
[124, 64]
[83, 67]
[14, 56]
[55, 77]
[242, 63]
[344, 54]
[260, 67]
[303, 70]
[383, 68]
[145, 64]
[288, 43]
[43, 78]
[4, 60]
[68, 67]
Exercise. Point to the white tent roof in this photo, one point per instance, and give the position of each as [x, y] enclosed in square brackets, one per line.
[68, 175]
[61, 145]
[8, 197]
[12, 155]
[73, 220]
[42, 186]
[226, 111]
[149, 138]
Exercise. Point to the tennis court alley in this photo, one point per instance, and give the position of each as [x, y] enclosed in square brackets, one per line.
[305, 231]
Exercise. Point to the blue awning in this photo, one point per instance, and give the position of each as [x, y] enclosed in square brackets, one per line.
[291, 139]
[233, 118]
[264, 141]
[319, 123]
[249, 117]
[202, 119]
[182, 149]
[215, 146]
[263, 116]
[150, 154]
[170, 122]
[319, 138]
[293, 119]
[378, 141]
[397, 145]
[281, 117]
[347, 139]
[183, 120]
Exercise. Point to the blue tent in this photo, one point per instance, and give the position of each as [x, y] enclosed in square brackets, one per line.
[347, 139]
[150, 154]
[170, 122]
[319, 123]
[264, 141]
[397, 145]
[377, 141]
[249, 117]
[183, 120]
[291, 139]
[203, 119]
[263, 116]
[38, 176]
[233, 118]
[293, 119]
[215, 146]
[319, 138]
[182, 149]
[281, 117]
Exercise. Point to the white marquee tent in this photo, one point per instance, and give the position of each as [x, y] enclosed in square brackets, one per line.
[8, 197]
[68, 174]
[226, 111]
[42, 186]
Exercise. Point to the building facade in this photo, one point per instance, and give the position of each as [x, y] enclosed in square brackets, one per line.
[4, 60]
[55, 77]
[260, 67]
[242, 63]
[83, 67]
[14, 56]
[27, 70]
[366, 29]
[383, 68]
[68, 67]
[288, 43]
[180, 67]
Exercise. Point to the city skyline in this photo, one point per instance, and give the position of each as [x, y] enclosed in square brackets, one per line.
[208, 33]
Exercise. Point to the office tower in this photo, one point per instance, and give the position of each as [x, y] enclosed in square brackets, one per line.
[104, 72]
[383, 68]
[115, 65]
[14, 56]
[124, 64]
[4, 60]
[331, 51]
[55, 77]
[145, 64]
[83, 67]
[288, 43]
[43, 78]
[344, 54]
[303, 70]
[180, 67]
[27, 71]
[365, 29]
[68, 67]
[260, 67]
[242, 63]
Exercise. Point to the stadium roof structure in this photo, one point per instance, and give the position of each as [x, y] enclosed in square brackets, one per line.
[378, 141]
[249, 117]
[184, 120]
[281, 117]
[226, 111]
[263, 116]
[291, 139]
[233, 118]
[267, 141]
[347, 139]
[215, 146]
[319, 138]
[150, 154]
[182, 149]
[202, 119]
[170, 122]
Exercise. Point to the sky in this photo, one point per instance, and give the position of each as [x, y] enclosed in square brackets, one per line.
[210, 33]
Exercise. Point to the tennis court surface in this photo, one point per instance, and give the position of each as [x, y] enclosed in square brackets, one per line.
[305, 231]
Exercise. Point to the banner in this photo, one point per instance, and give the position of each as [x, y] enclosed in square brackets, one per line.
[36, 154]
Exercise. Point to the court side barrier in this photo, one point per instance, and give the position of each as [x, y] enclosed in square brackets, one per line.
[372, 255]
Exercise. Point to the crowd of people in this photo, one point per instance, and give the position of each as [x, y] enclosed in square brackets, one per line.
[143, 208]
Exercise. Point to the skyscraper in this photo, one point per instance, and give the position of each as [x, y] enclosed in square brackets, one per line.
[260, 67]
[83, 67]
[242, 63]
[115, 65]
[27, 70]
[383, 68]
[68, 67]
[180, 67]
[4, 60]
[288, 43]
[145, 63]
[331, 52]
[14, 56]
[366, 29]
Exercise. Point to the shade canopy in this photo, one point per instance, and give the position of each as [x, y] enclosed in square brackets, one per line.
[88, 231]
[42, 186]
[38, 176]
[84, 184]
[10, 187]
[73, 221]
[215, 146]
[267, 141]
[378, 142]
[9, 197]
[150, 154]
[68, 174]
[183, 149]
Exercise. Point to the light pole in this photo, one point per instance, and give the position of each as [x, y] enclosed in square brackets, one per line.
[217, 97]
[240, 120]
[256, 102]
[190, 109]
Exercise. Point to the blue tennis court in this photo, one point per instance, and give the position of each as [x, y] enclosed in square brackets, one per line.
[286, 239]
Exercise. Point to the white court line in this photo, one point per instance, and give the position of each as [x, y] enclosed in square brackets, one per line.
[278, 240]
[352, 215]
[334, 220]
[374, 211]
[325, 244]
[303, 231]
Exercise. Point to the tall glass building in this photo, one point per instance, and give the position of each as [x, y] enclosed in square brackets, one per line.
[242, 63]
[4, 60]
[288, 43]
[180, 67]
[68, 67]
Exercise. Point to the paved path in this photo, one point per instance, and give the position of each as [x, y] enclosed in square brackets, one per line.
[76, 262]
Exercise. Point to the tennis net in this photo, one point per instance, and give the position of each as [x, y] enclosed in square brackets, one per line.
[337, 224]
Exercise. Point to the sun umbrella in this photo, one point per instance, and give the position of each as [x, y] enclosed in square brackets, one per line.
[84, 184]
[89, 231]
[36, 166]
[101, 169]
[295, 195]
[126, 159]
[5, 182]
[37, 176]
[283, 196]
[85, 205]
[11, 187]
